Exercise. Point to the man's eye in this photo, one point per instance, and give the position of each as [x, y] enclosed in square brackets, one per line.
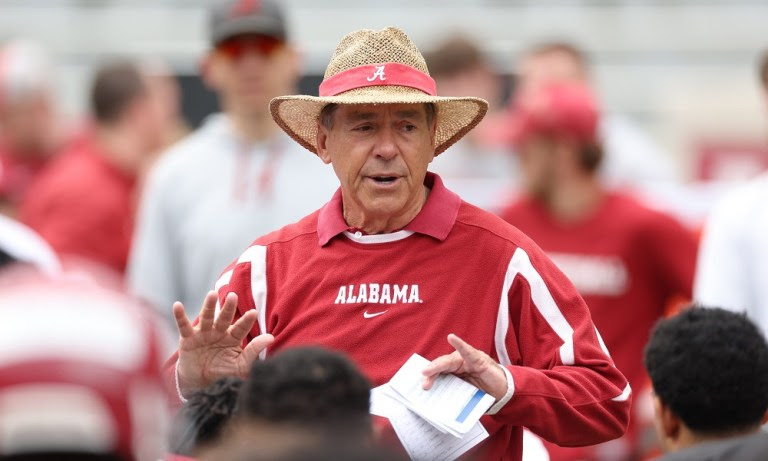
[409, 127]
[363, 128]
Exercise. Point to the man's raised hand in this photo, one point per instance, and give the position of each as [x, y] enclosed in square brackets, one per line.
[213, 348]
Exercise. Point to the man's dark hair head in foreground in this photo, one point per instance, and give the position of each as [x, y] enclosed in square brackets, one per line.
[300, 400]
[308, 386]
[709, 369]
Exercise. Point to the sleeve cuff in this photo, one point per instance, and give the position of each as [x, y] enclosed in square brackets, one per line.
[178, 388]
[503, 401]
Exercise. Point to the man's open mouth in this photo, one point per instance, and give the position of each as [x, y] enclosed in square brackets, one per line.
[384, 179]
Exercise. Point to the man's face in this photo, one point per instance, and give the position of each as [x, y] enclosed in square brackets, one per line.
[27, 125]
[249, 70]
[380, 154]
[537, 164]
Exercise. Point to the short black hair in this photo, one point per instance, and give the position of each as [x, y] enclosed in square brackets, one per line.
[308, 386]
[204, 416]
[115, 86]
[710, 367]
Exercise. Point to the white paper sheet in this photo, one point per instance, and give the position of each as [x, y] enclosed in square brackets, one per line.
[421, 440]
[451, 405]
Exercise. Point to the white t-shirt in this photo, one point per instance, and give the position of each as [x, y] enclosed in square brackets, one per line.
[732, 268]
[207, 199]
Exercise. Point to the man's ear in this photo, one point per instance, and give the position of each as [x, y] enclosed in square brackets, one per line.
[321, 143]
[670, 424]
[208, 71]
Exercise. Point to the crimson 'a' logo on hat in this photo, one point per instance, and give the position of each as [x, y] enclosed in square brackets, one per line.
[245, 7]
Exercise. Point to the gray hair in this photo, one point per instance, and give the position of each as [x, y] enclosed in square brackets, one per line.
[329, 110]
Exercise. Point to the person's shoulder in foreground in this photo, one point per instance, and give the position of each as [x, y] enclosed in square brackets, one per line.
[748, 448]
[709, 370]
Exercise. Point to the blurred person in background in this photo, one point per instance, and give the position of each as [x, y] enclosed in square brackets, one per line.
[626, 260]
[164, 88]
[79, 375]
[709, 369]
[83, 204]
[29, 132]
[631, 158]
[732, 269]
[479, 166]
[304, 398]
[236, 177]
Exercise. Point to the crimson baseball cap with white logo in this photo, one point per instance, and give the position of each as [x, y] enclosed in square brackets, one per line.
[229, 18]
[566, 110]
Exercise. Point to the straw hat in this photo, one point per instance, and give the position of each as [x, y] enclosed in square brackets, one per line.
[377, 67]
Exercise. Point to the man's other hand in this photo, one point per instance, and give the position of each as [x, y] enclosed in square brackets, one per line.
[471, 365]
[213, 348]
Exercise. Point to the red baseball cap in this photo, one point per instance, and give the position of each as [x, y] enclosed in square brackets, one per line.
[560, 110]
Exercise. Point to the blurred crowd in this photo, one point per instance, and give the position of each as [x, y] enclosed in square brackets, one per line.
[110, 219]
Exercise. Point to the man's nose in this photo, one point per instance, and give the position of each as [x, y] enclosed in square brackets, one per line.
[252, 59]
[386, 145]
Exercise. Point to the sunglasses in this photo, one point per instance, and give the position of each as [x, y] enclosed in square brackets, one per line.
[236, 47]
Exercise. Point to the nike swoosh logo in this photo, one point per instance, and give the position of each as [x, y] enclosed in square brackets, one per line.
[370, 316]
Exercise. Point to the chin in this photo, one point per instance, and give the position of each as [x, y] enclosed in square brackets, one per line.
[383, 206]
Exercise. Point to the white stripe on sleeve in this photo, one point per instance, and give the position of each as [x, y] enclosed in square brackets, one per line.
[257, 256]
[624, 394]
[520, 264]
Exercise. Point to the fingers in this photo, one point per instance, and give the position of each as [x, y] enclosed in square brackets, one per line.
[252, 351]
[470, 355]
[182, 321]
[240, 329]
[227, 313]
[443, 364]
[207, 312]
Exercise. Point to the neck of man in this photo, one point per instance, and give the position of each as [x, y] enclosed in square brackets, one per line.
[122, 149]
[253, 127]
[376, 223]
[573, 198]
[688, 438]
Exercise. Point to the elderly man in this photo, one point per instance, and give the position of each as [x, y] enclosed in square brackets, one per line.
[395, 263]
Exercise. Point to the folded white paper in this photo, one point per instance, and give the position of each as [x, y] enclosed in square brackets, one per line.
[451, 405]
[441, 423]
[420, 439]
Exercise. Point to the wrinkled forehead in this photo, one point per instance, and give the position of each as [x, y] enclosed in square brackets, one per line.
[353, 112]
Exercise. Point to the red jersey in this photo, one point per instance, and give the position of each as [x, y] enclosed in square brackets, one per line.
[626, 260]
[453, 269]
[83, 206]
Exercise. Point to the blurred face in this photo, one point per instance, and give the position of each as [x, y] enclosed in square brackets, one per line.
[27, 125]
[148, 117]
[249, 70]
[537, 164]
[479, 81]
[380, 154]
